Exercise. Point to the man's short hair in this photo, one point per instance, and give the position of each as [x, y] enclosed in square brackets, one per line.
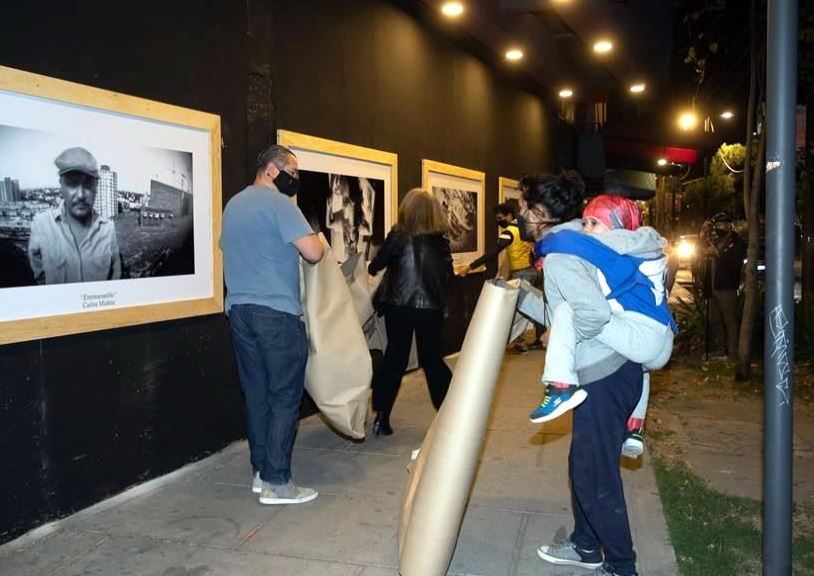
[510, 206]
[276, 154]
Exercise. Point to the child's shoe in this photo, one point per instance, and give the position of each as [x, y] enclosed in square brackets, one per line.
[556, 402]
[633, 447]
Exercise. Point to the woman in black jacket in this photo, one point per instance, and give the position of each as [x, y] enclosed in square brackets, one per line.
[413, 295]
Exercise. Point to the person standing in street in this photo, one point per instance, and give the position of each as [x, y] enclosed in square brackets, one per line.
[264, 235]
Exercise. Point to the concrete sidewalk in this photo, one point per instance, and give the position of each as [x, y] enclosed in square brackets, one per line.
[203, 520]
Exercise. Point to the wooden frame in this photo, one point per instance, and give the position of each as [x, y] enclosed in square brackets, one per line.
[507, 188]
[329, 157]
[435, 175]
[56, 111]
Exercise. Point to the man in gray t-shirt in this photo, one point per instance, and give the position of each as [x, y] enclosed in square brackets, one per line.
[264, 235]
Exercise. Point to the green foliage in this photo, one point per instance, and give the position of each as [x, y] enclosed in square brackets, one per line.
[690, 315]
[713, 534]
[721, 190]
[717, 534]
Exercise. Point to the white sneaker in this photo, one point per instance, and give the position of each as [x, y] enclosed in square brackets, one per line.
[286, 494]
[257, 483]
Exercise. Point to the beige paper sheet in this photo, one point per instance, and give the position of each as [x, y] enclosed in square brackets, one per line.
[439, 483]
[339, 369]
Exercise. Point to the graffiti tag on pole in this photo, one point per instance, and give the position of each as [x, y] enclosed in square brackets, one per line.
[777, 325]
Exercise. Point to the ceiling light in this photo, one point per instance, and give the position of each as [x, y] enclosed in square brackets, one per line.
[514, 54]
[452, 9]
[727, 114]
[662, 162]
[637, 88]
[687, 121]
[566, 93]
[603, 46]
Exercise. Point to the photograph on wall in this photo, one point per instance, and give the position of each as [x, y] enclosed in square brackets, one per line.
[461, 209]
[347, 192]
[348, 210]
[108, 209]
[508, 189]
[462, 195]
[74, 214]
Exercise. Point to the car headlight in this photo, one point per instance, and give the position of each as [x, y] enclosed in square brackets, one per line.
[686, 250]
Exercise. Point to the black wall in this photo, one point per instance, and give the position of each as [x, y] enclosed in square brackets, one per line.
[83, 417]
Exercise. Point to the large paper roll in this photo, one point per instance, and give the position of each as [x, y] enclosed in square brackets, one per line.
[439, 483]
[339, 369]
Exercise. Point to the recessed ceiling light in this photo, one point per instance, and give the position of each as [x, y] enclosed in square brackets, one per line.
[514, 54]
[637, 88]
[452, 9]
[566, 93]
[726, 115]
[662, 162]
[603, 46]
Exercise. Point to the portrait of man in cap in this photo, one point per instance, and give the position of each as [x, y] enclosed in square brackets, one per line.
[72, 242]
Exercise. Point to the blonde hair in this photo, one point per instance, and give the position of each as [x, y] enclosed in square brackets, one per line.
[420, 213]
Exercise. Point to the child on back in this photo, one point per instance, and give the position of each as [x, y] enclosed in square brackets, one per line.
[631, 270]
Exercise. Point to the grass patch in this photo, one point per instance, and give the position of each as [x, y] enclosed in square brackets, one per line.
[719, 535]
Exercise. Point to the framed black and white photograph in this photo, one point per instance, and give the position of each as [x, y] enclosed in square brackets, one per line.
[462, 194]
[109, 209]
[508, 189]
[347, 192]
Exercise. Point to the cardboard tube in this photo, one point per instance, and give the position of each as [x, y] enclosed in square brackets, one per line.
[438, 487]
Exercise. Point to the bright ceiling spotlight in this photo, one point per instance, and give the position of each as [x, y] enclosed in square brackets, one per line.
[687, 121]
[603, 46]
[514, 54]
[662, 162]
[726, 114]
[452, 9]
[566, 93]
[637, 88]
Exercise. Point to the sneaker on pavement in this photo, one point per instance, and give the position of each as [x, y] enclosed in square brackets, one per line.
[286, 494]
[556, 402]
[568, 554]
[633, 446]
[257, 483]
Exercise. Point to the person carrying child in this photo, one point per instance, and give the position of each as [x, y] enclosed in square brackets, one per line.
[631, 270]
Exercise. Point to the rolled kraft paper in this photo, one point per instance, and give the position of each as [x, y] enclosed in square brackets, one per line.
[437, 489]
[339, 368]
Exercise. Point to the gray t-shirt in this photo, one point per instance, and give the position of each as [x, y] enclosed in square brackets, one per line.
[260, 261]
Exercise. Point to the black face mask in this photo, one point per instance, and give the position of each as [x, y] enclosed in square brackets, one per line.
[522, 225]
[287, 184]
[503, 223]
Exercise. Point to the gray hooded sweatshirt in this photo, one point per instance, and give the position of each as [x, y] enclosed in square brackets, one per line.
[572, 278]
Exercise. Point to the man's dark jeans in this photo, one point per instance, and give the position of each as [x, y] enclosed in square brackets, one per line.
[271, 351]
[600, 511]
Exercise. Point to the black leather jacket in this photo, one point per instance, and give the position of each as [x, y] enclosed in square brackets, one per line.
[419, 270]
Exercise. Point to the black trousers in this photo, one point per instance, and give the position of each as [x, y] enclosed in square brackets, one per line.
[401, 323]
[598, 497]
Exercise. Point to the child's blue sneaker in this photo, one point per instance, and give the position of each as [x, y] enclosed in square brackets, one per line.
[556, 402]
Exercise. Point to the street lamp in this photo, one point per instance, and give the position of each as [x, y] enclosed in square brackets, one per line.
[687, 121]
[727, 114]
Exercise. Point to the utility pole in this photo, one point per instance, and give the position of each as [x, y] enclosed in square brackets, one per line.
[781, 74]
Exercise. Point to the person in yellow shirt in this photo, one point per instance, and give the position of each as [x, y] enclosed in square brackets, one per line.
[519, 254]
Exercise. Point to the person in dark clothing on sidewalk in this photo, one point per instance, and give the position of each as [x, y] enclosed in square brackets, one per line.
[413, 296]
[601, 539]
[726, 250]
